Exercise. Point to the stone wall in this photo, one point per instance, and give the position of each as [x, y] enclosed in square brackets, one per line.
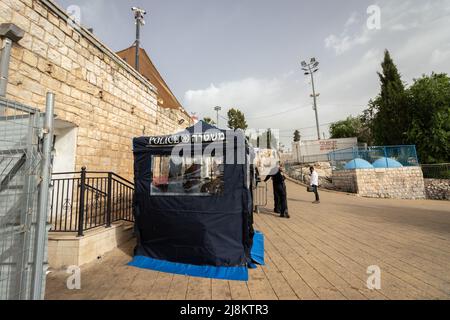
[437, 189]
[66, 249]
[345, 181]
[401, 183]
[302, 173]
[98, 92]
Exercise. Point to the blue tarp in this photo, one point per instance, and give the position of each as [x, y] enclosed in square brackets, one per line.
[239, 273]
[257, 253]
[228, 273]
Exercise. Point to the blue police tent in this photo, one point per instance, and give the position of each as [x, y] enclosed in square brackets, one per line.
[193, 204]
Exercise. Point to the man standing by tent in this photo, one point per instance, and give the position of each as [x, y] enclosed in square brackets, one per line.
[279, 192]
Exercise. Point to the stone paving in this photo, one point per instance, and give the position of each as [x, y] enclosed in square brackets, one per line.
[322, 252]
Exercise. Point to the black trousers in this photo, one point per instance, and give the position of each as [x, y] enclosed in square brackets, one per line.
[280, 198]
[316, 192]
[276, 201]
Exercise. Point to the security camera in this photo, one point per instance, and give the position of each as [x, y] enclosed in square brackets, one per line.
[138, 10]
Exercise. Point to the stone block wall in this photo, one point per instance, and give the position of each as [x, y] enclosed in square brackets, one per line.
[66, 249]
[345, 181]
[401, 183]
[437, 189]
[98, 92]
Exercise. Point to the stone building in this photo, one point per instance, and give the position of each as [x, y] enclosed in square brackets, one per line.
[102, 102]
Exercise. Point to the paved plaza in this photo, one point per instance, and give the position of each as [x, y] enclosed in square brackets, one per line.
[322, 252]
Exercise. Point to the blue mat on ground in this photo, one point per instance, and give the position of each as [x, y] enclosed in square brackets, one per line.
[257, 253]
[225, 273]
[239, 273]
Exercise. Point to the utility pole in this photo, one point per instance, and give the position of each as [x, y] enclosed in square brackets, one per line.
[311, 68]
[139, 17]
[217, 109]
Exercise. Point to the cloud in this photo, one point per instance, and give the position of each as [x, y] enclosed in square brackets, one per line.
[416, 33]
[284, 102]
[343, 43]
[92, 11]
[396, 16]
[354, 18]
[440, 55]
[256, 97]
[399, 27]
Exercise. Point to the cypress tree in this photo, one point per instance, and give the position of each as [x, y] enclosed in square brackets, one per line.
[391, 121]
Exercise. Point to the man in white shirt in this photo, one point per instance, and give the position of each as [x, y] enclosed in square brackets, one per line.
[315, 184]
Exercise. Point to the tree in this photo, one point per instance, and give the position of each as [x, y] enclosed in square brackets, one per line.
[347, 128]
[209, 121]
[429, 105]
[418, 115]
[297, 136]
[350, 128]
[390, 124]
[367, 121]
[236, 120]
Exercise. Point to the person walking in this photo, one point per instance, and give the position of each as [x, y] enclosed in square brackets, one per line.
[315, 184]
[280, 193]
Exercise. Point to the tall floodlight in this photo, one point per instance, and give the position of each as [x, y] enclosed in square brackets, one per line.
[139, 17]
[311, 68]
[217, 109]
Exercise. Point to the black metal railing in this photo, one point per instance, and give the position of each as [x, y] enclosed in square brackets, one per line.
[436, 171]
[85, 200]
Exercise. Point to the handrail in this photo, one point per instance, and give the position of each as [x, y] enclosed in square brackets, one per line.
[95, 189]
[96, 172]
[73, 209]
[116, 175]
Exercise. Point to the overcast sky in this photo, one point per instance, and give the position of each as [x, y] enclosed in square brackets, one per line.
[247, 53]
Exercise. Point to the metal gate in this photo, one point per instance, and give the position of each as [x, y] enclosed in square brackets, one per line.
[25, 162]
[260, 196]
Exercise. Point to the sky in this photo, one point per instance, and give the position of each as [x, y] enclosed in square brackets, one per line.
[246, 54]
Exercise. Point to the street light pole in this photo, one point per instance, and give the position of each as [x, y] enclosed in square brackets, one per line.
[310, 69]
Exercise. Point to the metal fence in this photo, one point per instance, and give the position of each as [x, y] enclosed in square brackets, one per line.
[406, 155]
[312, 159]
[25, 164]
[436, 171]
[85, 200]
[260, 196]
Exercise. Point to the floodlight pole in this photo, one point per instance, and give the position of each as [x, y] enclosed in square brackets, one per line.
[315, 103]
[139, 17]
[310, 69]
[217, 109]
[138, 43]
